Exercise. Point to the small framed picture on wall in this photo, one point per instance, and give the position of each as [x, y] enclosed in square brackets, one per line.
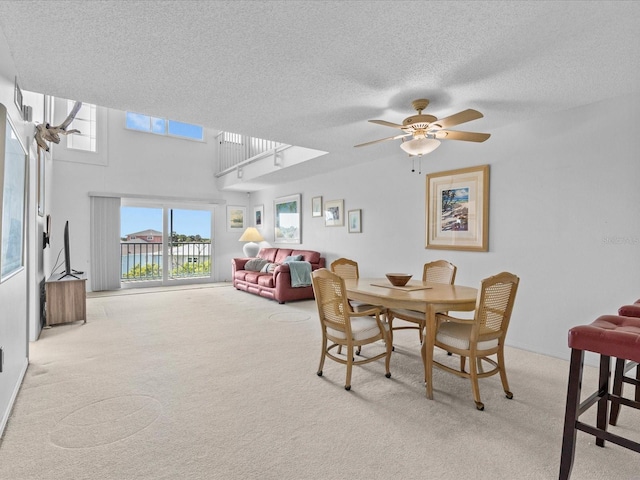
[235, 218]
[334, 213]
[316, 207]
[355, 221]
[258, 216]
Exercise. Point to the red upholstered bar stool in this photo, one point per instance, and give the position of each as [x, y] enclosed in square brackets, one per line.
[609, 336]
[623, 367]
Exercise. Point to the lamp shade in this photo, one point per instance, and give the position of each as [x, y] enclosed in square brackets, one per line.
[420, 146]
[251, 235]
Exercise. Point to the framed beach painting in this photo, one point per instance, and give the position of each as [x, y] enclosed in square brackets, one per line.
[235, 218]
[287, 219]
[355, 221]
[258, 216]
[334, 213]
[457, 209]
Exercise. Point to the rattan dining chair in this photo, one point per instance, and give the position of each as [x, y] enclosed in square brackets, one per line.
[482, 336]
[341, 326]
[438, 271]
[348, 268]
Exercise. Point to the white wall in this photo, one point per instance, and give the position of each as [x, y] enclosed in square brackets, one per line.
[13, 291]
[135, 164]
[563, 208]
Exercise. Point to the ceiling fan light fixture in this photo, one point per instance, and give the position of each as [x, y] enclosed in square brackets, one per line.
[420, 146]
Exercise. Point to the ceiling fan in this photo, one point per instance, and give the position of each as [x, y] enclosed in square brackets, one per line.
[427, 130]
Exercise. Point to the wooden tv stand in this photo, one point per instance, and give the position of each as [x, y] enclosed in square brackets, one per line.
[66, 298]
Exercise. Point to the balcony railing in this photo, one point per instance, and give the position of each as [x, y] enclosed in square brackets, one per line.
[143, 261]
[235, 149]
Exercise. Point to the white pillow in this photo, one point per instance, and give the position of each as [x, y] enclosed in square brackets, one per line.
[269, 268]
[255, 264]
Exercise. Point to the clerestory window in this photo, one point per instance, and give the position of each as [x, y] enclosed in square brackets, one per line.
[163, 126]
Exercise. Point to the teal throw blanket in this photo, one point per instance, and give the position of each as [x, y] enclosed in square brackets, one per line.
[300, 274]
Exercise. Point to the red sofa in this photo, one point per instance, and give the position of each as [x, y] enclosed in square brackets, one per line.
[275, 285]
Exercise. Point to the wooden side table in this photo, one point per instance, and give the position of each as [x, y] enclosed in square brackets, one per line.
[66, 299]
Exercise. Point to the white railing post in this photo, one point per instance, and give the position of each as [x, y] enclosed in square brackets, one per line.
[234, 149]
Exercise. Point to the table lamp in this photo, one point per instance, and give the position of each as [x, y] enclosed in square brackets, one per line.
[251, 235]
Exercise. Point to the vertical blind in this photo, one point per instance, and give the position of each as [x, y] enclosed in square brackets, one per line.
[105, 243]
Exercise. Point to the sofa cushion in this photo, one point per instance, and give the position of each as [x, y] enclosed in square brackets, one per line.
[268, 254]
[255, 264]
[266, 281]
[240, 274]
[252, 277]
[282, 254]
[307, 255]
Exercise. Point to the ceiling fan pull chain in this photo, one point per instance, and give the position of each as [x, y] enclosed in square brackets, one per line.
[420, 165]
[413, 165]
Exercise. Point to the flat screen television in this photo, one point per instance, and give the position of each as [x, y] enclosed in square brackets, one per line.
[68, 271]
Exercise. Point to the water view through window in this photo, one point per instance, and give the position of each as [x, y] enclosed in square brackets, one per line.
[144, 244]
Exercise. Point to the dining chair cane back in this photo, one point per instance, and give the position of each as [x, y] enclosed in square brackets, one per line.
[348, 269]
[341, 326]
[438, 271]
[482, 336]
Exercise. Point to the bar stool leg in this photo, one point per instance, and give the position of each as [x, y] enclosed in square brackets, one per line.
[617, 390]
[571, 414]
[603, 392]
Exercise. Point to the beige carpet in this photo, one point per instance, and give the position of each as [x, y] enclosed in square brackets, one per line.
[212, 383]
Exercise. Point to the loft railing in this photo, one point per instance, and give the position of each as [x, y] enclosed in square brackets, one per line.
[234, 149]
[143, 261]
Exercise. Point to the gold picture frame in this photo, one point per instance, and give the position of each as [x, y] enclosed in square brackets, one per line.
[457, 209]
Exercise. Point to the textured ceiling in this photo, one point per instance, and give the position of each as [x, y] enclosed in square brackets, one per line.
[311, 73]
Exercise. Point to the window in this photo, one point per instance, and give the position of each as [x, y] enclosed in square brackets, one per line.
[161, 126]
[145, 123]
[185, 130]
[85, 121]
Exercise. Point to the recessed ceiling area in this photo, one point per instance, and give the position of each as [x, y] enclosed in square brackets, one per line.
[311, 73]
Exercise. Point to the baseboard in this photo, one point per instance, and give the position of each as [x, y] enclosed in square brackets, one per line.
[7, 413]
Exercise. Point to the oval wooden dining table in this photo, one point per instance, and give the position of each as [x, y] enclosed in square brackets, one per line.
[430, 298]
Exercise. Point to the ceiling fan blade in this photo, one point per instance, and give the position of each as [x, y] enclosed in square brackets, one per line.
[387, 124]
[457, 119]
[466, 136]
[383, 140]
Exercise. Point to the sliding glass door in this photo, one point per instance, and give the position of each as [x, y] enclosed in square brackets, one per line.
[162, 245]
[189, 249]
